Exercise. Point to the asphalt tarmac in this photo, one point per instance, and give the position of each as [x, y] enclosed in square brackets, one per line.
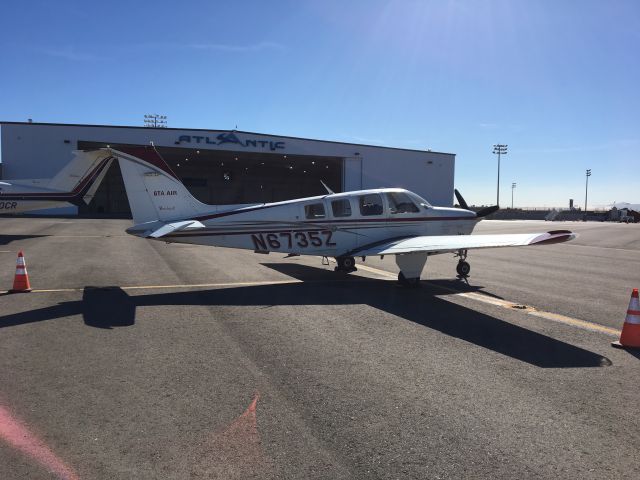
[138, 359]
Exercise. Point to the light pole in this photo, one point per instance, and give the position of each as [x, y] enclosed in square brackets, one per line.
[155, 120]
[513, 186]
[499, 149]
[586, 190]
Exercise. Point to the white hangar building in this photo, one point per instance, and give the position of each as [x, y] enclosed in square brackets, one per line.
[226, 167]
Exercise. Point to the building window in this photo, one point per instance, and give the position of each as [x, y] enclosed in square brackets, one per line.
[370, 204]
[399, 202]
[341, 208]
[314, 210]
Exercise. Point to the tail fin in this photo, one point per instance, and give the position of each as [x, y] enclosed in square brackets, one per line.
[82, 174]
[97, 180]
[153, 189]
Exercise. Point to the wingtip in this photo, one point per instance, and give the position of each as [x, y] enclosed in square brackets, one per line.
[554, 236]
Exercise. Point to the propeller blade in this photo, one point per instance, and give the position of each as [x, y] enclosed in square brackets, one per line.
[487, 211]
[461, 201]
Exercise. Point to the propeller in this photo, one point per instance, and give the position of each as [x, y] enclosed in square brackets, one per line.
[487, 211]
[461, 201]
[480, 213]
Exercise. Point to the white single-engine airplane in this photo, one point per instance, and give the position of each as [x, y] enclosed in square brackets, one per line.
[77, 182]
[383, 221]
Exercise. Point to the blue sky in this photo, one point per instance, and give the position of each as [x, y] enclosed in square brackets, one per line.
[558, 81]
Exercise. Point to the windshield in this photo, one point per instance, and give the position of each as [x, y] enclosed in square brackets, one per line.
[419, 200]
[400, 202]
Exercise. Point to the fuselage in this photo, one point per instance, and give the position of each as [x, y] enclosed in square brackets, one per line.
[19, 198]
[329, 225]
[74, 184]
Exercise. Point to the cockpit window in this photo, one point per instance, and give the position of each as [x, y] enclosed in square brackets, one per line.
[400, 202]
[370, 204]
[314, 210]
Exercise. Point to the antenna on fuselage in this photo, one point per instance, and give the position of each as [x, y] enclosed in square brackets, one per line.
[331, 192]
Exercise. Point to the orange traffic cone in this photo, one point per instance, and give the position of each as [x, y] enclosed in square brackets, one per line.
[630, 336]
[21, 280]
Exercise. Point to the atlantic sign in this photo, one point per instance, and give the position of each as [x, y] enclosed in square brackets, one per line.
[231, 137]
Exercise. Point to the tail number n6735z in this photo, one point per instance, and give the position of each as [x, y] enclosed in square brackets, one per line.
[291, 240]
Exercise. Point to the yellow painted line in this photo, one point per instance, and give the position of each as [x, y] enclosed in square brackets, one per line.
[569, 244]
[57, 290]
[210, 285]
[178, 286]
[480, 297]
[86, 236]
[575, 322]
[377, 271]
[158, 287]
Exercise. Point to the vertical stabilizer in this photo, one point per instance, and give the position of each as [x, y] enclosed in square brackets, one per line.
[153, 189]
[73, 173]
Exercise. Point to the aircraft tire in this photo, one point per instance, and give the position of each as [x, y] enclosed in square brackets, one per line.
[463, 269]
[346, 264]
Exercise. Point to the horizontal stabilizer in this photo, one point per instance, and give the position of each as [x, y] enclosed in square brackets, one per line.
[159, 229]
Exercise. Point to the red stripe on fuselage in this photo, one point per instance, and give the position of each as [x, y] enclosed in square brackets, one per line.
[327, 228]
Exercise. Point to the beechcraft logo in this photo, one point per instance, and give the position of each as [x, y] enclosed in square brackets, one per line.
[231, 137]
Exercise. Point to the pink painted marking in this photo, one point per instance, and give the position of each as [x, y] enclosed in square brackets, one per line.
[236, 451]
[16, 434]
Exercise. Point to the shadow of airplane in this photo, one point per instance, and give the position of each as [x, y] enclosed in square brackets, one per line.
[109, 307]
[7, 239]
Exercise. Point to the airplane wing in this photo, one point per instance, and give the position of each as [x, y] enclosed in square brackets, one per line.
[453, 243]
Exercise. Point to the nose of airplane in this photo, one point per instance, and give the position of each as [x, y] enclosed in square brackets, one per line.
[452, 212]
[461, 212]
[464, 213]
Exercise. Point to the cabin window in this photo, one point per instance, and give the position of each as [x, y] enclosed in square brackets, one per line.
[314, 210]
[400, 202]
[370, 204]
[341, 208]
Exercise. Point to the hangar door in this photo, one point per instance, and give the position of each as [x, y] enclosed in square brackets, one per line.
[352, 173]
[222, 177]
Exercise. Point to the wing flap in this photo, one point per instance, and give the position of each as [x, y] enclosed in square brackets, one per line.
[453, 243]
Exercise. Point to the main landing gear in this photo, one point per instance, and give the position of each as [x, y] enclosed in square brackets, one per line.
[408, 282]
[346, 264]
[463, 268]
